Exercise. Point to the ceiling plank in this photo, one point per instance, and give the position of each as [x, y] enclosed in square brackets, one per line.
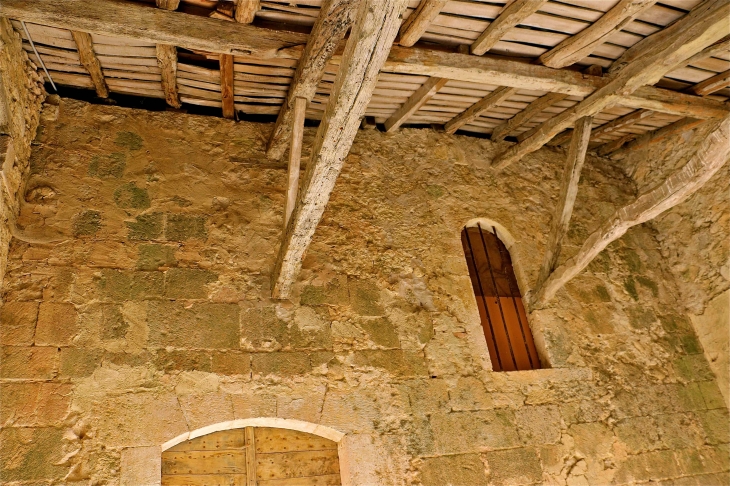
[566, 200]
[533, 109]
[167, 60]
[246, 10]
[653, 57]
[709, 86]
[329, 29]
[414, 103]
[712, 154]
[512, 15]
[88, 58]
[371, 37]
[493, 99]
[226, 70]
[580, 45]
[417, 23]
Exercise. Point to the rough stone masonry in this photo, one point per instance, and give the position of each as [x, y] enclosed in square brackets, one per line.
[149, 314]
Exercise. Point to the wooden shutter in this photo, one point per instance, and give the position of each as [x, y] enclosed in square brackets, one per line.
[509, 338]
[252, 456]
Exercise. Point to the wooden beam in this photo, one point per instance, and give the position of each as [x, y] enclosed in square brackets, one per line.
[580, 45]
[712, 154]
[226, 69]
[249, 437]
[533, 109]
[88, 58]
[620, 123]
[417, 23]
[709, 86]
[371, 37]
[659, 136]
[167, 60]
[329, 29]
[718, 48]
[246, 10]
[414, 103]
[513, 14]
[168, 4]
[493, 99]
[660, 52]
[566, 200]
[295, 157]
[613, 145]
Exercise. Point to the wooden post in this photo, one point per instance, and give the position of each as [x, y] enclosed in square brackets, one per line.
[90, 62]
[167, 60]
[246, 10]
[226, 64]
[295, 157]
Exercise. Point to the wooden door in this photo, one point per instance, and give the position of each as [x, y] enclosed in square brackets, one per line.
[252, 456]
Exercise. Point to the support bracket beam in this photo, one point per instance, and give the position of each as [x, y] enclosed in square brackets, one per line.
[88, 58]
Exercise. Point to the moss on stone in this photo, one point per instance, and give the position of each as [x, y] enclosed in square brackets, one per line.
[108, 166]
[79, 362]
[188, 283]
[113, 324]
[365, 298]
[182, 227]
[129, 196]
[381, 332]
[631, 259]
[602, 293]
[145, 227]
[87, 223]
[129, 140]
[435, 191]
[649, 284]
[630, 287]
[641, 317]
[690, 344]
[122, 286]
[182, 360]
[152, 256]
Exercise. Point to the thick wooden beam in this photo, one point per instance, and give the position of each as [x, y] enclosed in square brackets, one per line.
[513, 14]
[246, 10]
[329, 29]
[417, 23]
[566, 200]
[580, 45]
[226, 69]
[709, 86]
[712, 154]
[168, 4]
[371, 37]
[88, 58]
[660, 53]
[533, 109]
[493, 99]
[414, 103]
[718, 48]
[167, 60]
[295, 157]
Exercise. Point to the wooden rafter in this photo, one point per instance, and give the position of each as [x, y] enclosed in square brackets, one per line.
[167, 60]
[621, 123]
[417, 23]
[329, 29]
[88, 58]
[580, 45]
[566, 200]
[513, 14]
[495, 98]
[533, 109]
[712, 154]
[372, 35]
[227, 94]
[295, 157]
[653, 57]
[709, 86]
[246, 10]
[414, 103]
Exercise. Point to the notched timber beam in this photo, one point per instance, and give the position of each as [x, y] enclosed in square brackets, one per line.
[367, 48]
[88, 58]
[414, 103]
[712, 154]
[512, 15]
[417, 23]
[533, 109]
[493, 99]
[226, 70]
[329, 29]
[167, 60]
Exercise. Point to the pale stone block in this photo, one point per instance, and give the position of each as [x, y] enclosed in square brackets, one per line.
[713, 331]
[141, 466]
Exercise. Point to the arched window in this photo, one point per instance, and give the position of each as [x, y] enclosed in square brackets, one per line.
[503, 316]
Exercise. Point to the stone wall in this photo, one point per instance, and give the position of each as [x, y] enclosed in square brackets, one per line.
[152, 317]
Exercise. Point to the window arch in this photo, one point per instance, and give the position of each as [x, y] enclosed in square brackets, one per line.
[504, 320]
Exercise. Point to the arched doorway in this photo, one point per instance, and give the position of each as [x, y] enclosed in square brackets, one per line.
[248, 456]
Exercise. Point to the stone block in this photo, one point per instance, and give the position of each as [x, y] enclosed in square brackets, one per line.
[181, 227]
[301, 403]
[539, 424]
[109, 166]
[188, 283]
[182, 360]
[129, 140]
[456, 470]
[640, 434]
[693, 367]
[469, 393]
[206, 409]
[205, 325]
[396, 361]
[711, 394]
[281, 363]
[419, 437]
[86, 223]
[145, 227]
[333, 293]
[427, 395]
[113, 323]
[592, 440]
[365, 298]
[17, 323]
[57, 324]
[79, 362]
[122, 286]
[680, 430]
[31, 454]
[461, 432]
[380, 331]
[231, 363]
[141, 465]
[690, 397]
[253, 404]
[262, 329]
[152, 257]
[34, 404]
[129, 196]
[29, 362]
[514, 466]
[716, 425]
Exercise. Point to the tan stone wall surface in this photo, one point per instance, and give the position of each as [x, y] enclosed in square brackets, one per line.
[153, 318]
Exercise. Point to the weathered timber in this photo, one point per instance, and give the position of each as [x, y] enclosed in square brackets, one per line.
[414, 103]
[712, 154]
[661, 52]
[371, 37]
[719, 47]
[168, 4]
[88, 58]
[251, 473]
[512, 15]
[493, 99]
[535, 108]
[709, 86]
[334, 19]
[226, 65]
[417, 23]
[613, 145]
[621, 122]
[566, 200]
[580, 45]
[246, 10]
[295, 157]
[167, 60]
